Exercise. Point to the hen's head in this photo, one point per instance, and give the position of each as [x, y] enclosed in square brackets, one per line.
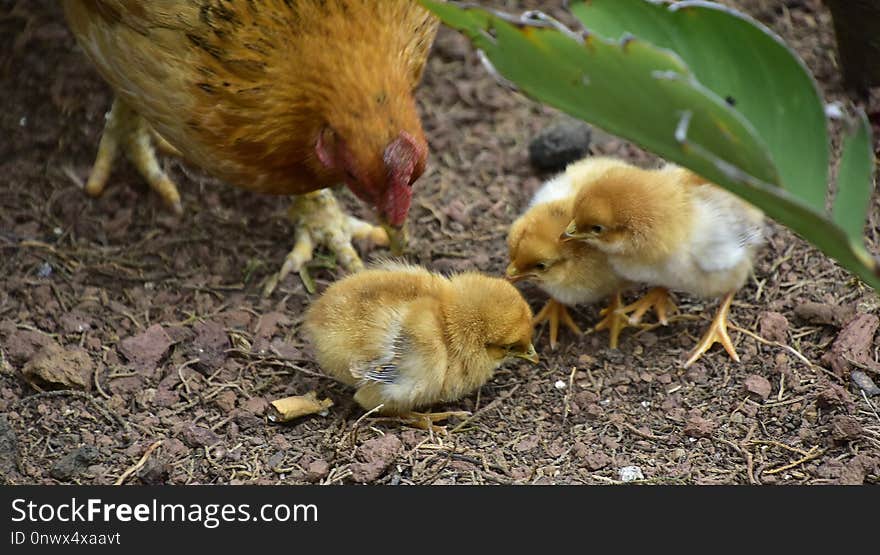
[378, 162]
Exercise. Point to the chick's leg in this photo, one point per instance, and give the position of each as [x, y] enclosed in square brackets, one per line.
[717, 333]
[614, 320]
[127, 130]
[658, 299]
[554, 311]
[319, 221]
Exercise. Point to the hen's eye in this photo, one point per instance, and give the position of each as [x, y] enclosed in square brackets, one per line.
[597, 229]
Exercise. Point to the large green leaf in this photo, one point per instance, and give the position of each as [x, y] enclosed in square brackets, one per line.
[855, 179]
[647, 94]
[742, 61]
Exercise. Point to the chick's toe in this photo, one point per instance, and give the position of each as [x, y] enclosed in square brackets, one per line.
[657, 298]
[427, 420]
[717, 333]
[554, 312]
[614, 320]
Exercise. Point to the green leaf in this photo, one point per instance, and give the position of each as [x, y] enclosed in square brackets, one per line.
[618, 86]
[647, 94]
[740, 60]
[854, 179]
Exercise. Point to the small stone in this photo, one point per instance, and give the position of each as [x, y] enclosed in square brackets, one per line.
[317, 470]
[596, 461]
[145, 349]
[560, 144]
[376, 455]
[759, 385]
[630, 473]
[773, 326]
[58, 366]
[527, 443]
[697, 426]
[255, 405]
[225, 401]
[865, 383]
[75, 462]
[845, 428]
[198, 436]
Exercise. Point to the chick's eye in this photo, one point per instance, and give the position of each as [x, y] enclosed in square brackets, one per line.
[597, 229]
[541, 266]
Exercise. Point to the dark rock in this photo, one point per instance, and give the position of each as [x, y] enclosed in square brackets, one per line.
[155, 472]
[75, 462]
[560, 144]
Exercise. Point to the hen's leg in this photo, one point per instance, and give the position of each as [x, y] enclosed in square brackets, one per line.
[127, 130]
[658, 299]
[319, 221]
[717, 333]
[614, 320]
[554, 311]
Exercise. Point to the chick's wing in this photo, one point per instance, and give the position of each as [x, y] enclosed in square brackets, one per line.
[411, 353]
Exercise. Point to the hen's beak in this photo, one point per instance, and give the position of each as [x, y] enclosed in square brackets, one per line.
[571, 233]
[531, 355]
[397, 237]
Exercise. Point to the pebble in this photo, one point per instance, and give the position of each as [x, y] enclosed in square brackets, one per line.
[630, 473]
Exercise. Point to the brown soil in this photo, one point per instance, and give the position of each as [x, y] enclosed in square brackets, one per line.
[156, 321]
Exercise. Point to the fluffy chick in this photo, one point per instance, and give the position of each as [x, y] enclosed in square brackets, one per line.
[672, 229]
[407, 338]
[570, 272]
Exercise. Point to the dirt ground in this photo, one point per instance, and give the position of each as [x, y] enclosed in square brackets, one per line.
[158, 321]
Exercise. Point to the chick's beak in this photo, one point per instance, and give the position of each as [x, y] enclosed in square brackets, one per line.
[571, 233]
[531, 355]
[513, 274]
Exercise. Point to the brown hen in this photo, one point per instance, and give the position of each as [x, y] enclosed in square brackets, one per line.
[285, 97]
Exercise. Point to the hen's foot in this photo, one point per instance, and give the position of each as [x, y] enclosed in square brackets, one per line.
[717, 333]
[554, 311]
[614, 320]
[657, 298]
[319, 221]
[127, 130]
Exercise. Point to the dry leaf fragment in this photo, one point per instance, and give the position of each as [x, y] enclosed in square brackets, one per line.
[289, 408]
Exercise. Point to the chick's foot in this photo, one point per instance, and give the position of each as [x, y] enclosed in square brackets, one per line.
[427, 420]
[717, 333]
[554, 311]
[657, 298]
[319, 221]
[614, 320]
[127, 130]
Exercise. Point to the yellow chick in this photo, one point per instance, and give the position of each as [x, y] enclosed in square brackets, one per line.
[570, 272]
[407, 338]
[671, 229]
